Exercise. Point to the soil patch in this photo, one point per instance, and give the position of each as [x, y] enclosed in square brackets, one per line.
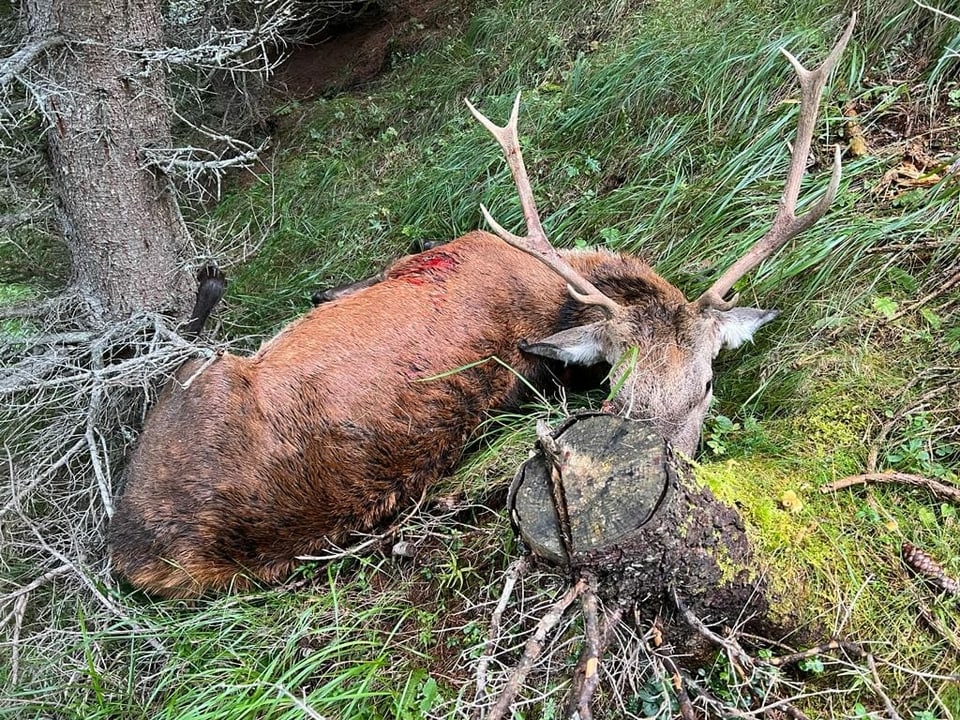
[357, 50]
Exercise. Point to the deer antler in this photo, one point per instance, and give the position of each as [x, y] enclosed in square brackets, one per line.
[787, 224]
[536, 242]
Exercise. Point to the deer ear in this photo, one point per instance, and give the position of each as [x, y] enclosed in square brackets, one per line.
[577, 346]
[737, 326]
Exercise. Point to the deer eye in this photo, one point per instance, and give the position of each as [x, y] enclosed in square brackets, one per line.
[709, 387]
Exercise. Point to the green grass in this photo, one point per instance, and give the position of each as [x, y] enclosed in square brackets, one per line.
[653, 128]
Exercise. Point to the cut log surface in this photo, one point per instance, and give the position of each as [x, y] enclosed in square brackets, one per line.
[614, 472]
[637, 520]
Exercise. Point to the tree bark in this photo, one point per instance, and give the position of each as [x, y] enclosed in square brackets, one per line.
[103, 103]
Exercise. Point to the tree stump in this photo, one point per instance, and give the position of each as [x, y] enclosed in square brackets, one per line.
[606, 496]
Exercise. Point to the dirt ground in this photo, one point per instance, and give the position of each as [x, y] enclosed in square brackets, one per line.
[356, 50]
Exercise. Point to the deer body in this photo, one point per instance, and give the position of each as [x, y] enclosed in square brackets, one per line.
[355, 409]
[348, 413]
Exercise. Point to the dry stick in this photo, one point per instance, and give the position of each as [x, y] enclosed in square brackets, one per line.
[885, 429]
[93, 589]
[842, 645]
[11, 67]
[19, 609]
[579, 685]
[514, 572]
[590, 656]
[96, 400]
[34, 584]
[938, 489]
[532, 650]
[746, 662]
[878, 689]
[730, 645]
[944, 288]
[896, 247]
[676, 679]
[61, 461]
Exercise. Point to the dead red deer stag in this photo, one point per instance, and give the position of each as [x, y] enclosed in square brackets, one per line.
[350, 412]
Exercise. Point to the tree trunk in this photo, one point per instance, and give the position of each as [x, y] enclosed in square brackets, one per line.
[103, 103]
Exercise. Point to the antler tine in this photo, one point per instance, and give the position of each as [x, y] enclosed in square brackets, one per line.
[536, 242]
[787, 224]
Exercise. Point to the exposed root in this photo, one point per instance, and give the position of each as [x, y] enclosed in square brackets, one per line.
[514, 572]
[942, 491]
[586, 675]
[533, 649]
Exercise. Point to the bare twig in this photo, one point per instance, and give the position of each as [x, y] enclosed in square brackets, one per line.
[944, 288]
[841, 645]
[878, 689]
[731, 646]
[891, 422]
[514, 572]
[532, 650]
[247, 49]
[679, 687]
[940, 490]
[17, 493]
[34, 584]
[91, 432]
[19, 609]
[937, 11]
[12, 66]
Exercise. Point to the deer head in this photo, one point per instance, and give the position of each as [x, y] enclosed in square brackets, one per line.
[662, 353]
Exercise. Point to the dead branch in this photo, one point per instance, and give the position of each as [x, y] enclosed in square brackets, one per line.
[15, 64]
[249, 49]
[940, 490]
[533, 649]
[32, 585]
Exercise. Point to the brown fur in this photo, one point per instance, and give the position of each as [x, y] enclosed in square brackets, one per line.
[347, 414]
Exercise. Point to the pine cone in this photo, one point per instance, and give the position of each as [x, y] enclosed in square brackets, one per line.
[924, 565]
